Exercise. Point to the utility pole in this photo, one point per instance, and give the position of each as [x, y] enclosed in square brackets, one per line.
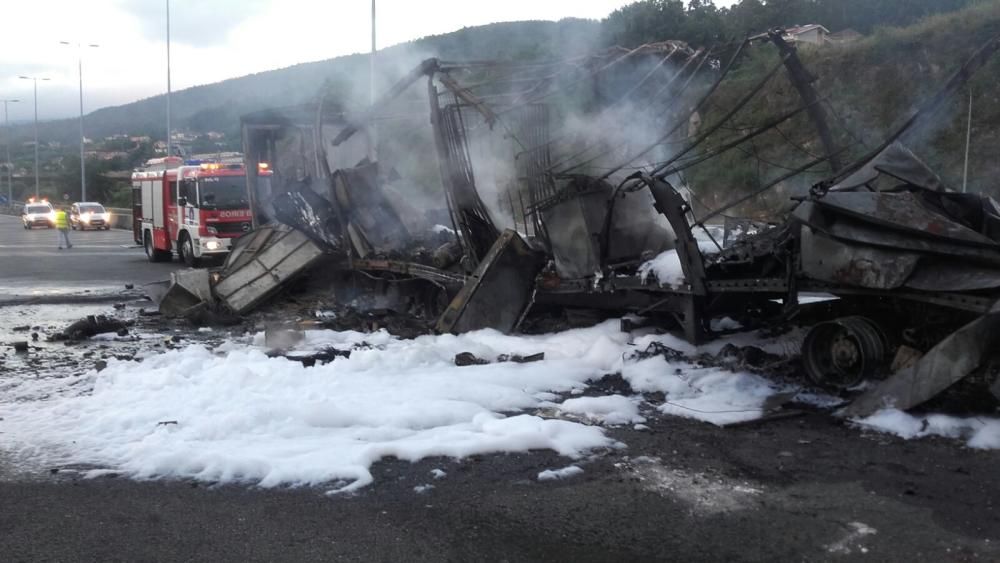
[168, 78]
[35, 79]
[83, 165]
[372, 131]
[968, 138]
[10, 175]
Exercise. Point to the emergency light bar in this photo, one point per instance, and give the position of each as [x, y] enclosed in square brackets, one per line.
[220, 166]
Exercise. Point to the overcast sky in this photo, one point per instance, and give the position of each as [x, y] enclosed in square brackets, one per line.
[212, 40]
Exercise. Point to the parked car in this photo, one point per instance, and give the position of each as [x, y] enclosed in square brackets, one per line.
[38, 214]
[85, 215]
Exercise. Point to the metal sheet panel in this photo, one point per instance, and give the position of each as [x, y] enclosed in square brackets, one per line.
[829, 260]
[573, 237]
[498, 292]
[850, 229]
[951, 360]
[901, 211]
[159, 219]
[307, 211]
[285, 256]
[898, 162]
[936, 274]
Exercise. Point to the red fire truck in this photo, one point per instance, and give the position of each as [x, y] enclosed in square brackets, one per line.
[193, 208]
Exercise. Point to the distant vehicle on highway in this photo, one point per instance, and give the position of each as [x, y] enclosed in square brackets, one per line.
[38, 214]
[85, 215]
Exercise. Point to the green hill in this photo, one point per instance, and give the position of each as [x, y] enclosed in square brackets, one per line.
[217, 107]
[870, 87]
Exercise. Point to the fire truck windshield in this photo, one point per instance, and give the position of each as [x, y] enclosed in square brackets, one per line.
[225, 192]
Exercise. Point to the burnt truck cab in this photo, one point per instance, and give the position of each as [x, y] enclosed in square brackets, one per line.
[193, 208]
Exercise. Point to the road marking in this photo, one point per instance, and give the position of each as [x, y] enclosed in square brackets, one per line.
[45, 246]
[70, 252]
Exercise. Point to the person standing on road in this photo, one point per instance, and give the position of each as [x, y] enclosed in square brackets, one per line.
[62, 226]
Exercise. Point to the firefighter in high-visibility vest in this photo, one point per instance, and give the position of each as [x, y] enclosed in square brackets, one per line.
[62, 227]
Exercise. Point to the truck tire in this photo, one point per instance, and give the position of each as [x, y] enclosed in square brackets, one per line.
[153, 254]
[186, 251]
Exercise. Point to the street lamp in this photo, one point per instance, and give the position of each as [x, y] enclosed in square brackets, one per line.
[168, 78]
[10, 177]
[83, 169]
[372, 131]
[35, 79]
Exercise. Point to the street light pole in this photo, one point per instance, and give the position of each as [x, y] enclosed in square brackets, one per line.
[10, 176]
[168, 78]
[372, 131]
[35, 79]
[83, 165]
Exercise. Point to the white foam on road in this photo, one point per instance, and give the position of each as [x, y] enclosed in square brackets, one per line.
[559, 474]
[854, 532]
[979, 432]
[611, 410]
[235, 415]
[243, 417]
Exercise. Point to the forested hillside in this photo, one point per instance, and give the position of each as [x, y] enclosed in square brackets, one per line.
[701, 23]
[869, 87]
[217, 107]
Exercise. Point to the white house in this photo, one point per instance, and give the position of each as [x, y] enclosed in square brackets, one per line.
[812, 34]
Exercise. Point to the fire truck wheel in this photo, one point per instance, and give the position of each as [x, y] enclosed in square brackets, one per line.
[152, 254]
[187, 252]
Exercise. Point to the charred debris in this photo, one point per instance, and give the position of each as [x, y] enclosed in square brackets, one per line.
[495, 202]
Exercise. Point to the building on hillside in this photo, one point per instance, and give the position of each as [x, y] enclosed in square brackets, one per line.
[845, 36]
[812, 34]
[225, 157]
[105, 155]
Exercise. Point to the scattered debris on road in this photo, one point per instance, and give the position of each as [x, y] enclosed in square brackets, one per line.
[91, 326]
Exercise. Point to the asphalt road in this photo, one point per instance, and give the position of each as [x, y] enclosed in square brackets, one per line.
[100, 261]
[794, 490]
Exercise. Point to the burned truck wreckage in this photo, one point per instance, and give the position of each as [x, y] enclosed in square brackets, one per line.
[509, 208]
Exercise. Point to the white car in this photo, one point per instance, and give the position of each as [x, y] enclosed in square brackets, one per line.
[85, 215]
[38, 214]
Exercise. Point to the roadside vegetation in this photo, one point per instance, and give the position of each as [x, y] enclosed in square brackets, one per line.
[869, 87]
